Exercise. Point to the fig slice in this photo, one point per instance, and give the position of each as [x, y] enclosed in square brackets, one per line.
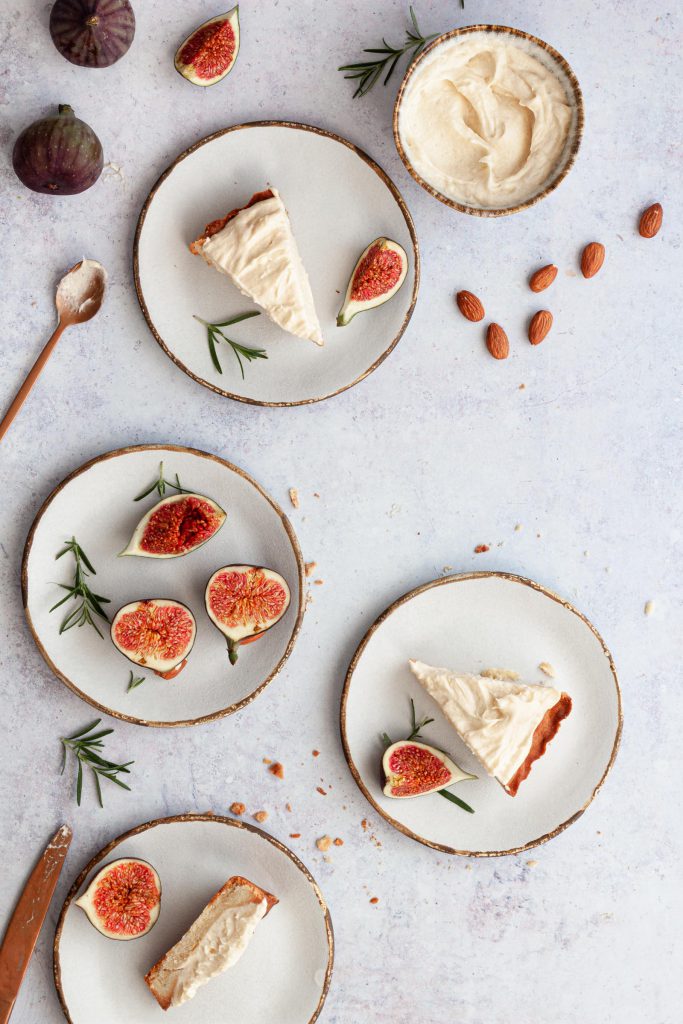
[123, 900]
[244, 602]
[415, 769]
[209, 53]
[378, 274]
[156, 634]
[175, 526]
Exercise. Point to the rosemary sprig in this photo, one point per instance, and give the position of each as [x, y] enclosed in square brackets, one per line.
[89, 602]
[369, 72]
[134, 682]
[85, 745]
[160, 485]
[215, 334]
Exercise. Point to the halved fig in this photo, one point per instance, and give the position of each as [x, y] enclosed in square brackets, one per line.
[175, 526]
[209, 53]
[378, 274]
[244, 602]
[123, 900]
[415, 769]
[156, 634]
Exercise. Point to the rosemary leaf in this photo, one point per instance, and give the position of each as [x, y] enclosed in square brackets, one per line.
[456, 800]
[134, 682]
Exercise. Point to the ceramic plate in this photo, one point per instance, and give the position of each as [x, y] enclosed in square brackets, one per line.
[95, 504]
[285, 972]
[469, 623]
[338, 200]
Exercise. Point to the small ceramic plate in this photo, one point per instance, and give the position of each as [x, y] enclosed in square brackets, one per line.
[285, 972]
[95, 504]
[470, 623]
[338, 200]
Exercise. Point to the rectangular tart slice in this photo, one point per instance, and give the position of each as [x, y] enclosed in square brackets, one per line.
[215, 941]
[507, 725]
[255, 247]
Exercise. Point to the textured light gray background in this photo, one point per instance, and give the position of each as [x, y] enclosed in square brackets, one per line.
[436, 452]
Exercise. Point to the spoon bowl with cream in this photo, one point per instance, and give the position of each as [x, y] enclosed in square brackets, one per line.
[488, 119]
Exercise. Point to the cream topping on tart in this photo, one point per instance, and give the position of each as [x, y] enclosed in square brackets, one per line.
[496, 718]
[257, 250]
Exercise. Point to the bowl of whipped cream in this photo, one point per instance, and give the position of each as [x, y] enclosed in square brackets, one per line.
[489, 119]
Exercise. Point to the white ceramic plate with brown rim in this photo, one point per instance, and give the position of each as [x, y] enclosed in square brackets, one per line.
[285, 973]
[469, 623]
[543, 53]
[95, 504]
[338, 200]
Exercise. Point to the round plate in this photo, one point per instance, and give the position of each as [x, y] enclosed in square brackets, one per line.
[469, 623]
[338, 200]
[95, 504]
[99, 979]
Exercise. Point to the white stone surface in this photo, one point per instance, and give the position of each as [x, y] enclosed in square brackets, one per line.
[436, 452]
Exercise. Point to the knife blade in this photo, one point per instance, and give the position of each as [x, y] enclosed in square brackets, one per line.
[27, 920]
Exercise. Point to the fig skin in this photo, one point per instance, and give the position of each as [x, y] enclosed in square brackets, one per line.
[86, 900]
[203, 34]
[59, 155]
[92, 33]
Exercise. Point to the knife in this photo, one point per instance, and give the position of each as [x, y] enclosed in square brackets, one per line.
[27, 920]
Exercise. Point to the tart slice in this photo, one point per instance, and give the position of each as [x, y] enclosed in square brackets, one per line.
[507, 725]
[255, 247]
[215, 941]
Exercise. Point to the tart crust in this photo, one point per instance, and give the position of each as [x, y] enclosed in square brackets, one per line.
[543, 734]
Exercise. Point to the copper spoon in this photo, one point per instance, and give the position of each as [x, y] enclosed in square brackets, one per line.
[79, 297]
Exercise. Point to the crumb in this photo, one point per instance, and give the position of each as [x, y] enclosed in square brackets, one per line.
[267, 760]
[500, 673]
[315, 493]
[394, 510]
[318, 583]
[521, 387]
[365, 824]
[374, 900]
[261, 816]
[547, 669]
[309, 599]
[586, 554]
[316, 753]
[295, 835]
[294, 497]
[237, 808]
[310, 567]
[324, 843]
[277, 770]
[468, 867]
[319, 789]
[538, 535]
[531, 863]
[288, 807]
[481, 548]
[328, 860]
[338, 842]
[649, 607]
[518, 527]
[447, 568]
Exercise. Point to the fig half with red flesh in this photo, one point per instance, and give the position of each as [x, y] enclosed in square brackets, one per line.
[415, 769]
[244, 602]
[175, 526]
[92, 33]
[378, 274]
[123, 900]
[210, 52]
[156, 634]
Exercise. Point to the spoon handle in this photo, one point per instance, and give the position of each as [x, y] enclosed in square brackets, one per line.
[23, 391]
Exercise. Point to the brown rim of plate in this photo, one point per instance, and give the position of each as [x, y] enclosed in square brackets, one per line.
[169, 821]
[459, 578]
[379, 171]
[205, 455]
[476, 211]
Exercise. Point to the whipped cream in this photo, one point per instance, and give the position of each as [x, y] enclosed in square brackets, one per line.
[258, 251]
[496, 718]
[484, 120]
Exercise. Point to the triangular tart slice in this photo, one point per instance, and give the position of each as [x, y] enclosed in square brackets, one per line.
[507, 725]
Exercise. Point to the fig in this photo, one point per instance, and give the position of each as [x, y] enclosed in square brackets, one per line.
[59, 156]
[378, 274]
[175, 526]
[157, 634]
[92, 33]
[209, 54]
[123, 900]
[244, 602]
[415, 769]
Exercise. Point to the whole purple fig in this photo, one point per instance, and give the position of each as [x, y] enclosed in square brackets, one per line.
[59, 156]
[92, 33]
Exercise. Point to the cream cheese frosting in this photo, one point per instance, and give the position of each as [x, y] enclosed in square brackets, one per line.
[258, 251]
[496, 718]
[484, 120]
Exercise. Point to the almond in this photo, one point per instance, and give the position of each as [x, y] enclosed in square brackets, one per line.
[470, 306]
[592, 258]
[651, 221]
[541, 323]
[543, 278]
[497, 342]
